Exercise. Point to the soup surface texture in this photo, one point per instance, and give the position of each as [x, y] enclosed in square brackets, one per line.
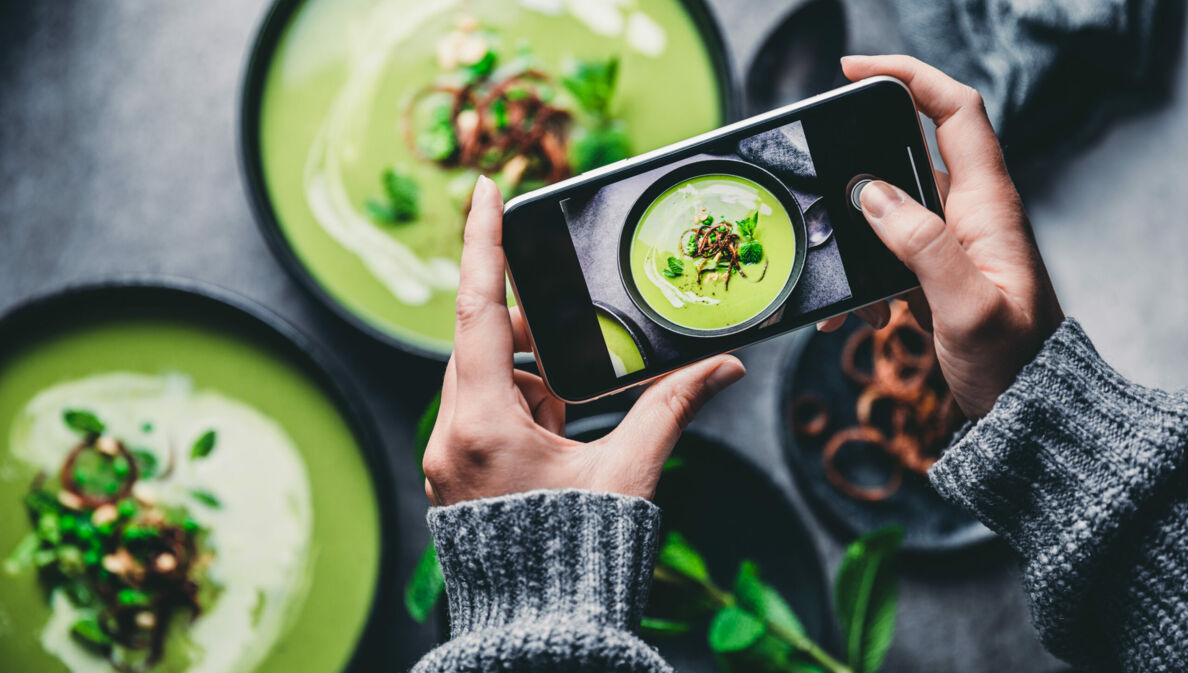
[284, 495]
[331, 124]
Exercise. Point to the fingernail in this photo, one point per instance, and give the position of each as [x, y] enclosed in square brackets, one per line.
[727, 373]
[482, 185]
[879, 198]
[821, 325]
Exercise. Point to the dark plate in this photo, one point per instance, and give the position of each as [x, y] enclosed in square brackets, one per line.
[930, 523]
[735, 167]
[126, 300]
[252, 166]
[730, 512]
[799, 57]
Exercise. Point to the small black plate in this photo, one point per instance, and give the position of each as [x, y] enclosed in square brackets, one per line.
[730, 512]
[930, 523]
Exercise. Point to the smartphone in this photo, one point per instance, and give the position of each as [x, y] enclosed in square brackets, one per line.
[643, 266]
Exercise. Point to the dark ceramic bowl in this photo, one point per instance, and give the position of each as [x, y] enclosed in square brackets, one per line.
[731, 167]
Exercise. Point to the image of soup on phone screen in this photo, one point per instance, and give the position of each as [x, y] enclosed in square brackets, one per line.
[745, 234]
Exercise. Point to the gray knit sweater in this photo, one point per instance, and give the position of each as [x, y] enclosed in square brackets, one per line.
[1081, 471]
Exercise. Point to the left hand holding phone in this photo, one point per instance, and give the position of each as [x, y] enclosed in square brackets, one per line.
[500, 431]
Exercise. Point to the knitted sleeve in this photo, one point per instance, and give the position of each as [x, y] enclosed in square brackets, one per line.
[1084, 474]
[546, 581]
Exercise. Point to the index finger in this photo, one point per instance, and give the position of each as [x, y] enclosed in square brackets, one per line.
[482, 328]
[963, 132]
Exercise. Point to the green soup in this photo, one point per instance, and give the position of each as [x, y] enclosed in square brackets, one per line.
[624, 354]
[295, 527]
[742, 266]
[330, 124]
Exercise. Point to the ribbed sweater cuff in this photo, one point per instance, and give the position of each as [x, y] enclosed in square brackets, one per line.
[542, 554]
[1066, 447]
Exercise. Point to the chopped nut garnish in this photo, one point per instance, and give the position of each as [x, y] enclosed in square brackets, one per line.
[70, 500]
[144, 493]
[107, 445]
[104, 514]
[165, 563]
[146, 620]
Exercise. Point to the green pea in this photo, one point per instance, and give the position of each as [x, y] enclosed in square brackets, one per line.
[120, 466]
[132, 597]
[127, 507]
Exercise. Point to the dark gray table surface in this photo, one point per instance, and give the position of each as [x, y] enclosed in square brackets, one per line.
[118, 155]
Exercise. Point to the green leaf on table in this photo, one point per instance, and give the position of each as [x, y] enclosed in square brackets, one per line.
[746, 226]
[592, 83]
[425, 428]
[83, 421]
[425, 586]
[673, 463]
[750, 252]
[203, 445]
[664, 627]
[763, 600]
[734, 630]
[677, 555]
[206, 498]
[866, 595]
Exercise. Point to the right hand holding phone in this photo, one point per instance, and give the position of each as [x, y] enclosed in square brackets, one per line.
[984, 292]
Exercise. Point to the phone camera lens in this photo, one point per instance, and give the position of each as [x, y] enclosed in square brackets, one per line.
[856, 192]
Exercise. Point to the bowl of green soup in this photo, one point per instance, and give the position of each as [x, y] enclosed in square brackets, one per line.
[712, 248]
[186, 485]
[365, 123]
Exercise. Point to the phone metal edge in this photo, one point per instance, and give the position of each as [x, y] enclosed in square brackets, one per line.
[709, 135]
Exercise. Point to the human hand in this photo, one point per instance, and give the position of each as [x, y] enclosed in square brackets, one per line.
[984, 292]
[500, 431]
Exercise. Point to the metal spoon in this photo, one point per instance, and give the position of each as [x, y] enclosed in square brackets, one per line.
[816, 222]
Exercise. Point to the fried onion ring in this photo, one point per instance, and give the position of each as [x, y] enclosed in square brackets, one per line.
[867, 435]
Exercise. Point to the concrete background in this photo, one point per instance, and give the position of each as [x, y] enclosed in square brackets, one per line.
[118, 155]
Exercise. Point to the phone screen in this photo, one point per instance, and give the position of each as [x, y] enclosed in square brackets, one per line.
[742, 235]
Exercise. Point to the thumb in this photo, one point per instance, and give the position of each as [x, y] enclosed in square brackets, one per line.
[922, 241]
[659, 416]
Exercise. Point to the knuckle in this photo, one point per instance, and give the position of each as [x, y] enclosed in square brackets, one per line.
[972, 98]
[434, 464]
[682, 406]
[924, 232]
[468, 307]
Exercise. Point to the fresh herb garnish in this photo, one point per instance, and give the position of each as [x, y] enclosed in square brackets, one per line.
[592, 83]
[401, 201]
[83, 421]
[206, 498]
[437, 140]
[750, 252]
[746, 226]
[204, 445]
[675, 268]
[602, 144]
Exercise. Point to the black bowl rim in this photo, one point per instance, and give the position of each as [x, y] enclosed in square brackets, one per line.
[317, 362]
[979, 538]
[699, 168]
[264, 42]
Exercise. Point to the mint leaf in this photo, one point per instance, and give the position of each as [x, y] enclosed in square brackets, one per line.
[746, 226]
[866, 595]
[599, 145]
[679, 556]
[425, 428]
[592, 83]
[88, 632]
[206, 498]
[675, 267]
[666, 627]
[146, 463]
[424, 587]
[734, 630]
[751, 252]
[83, 421]
[403, 195]
[763, 600]
[673, 463]
[437, 140]
[203, 445]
